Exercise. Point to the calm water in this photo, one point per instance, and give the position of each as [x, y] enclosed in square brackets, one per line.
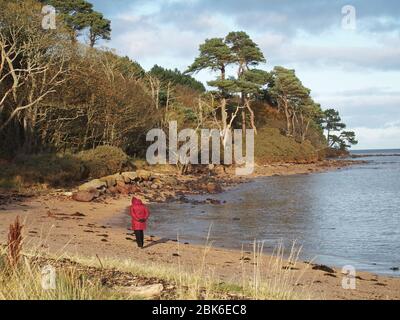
[350, 216]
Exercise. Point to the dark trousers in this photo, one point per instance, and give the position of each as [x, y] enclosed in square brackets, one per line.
[139, 234]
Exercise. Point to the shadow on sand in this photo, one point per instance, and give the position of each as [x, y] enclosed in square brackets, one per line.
[156, 242]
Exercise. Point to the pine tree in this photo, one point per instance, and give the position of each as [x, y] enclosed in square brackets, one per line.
[246, 54]
[288, 91]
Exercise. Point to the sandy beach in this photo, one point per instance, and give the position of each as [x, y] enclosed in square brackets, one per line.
[57, 225]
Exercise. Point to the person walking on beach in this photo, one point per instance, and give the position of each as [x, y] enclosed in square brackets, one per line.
[140, 215]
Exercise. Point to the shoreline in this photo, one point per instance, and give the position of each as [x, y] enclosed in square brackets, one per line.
[56, 225]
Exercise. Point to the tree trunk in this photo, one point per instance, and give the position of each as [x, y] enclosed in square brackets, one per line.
[244, 121]
[224, 114]
[252, 117]
[29, 124]
[293, 116]
[305, 131]
[287, 115]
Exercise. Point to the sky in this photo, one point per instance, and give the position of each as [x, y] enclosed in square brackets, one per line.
[348, 56]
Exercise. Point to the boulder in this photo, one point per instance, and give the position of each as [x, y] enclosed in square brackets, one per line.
[84, 196]
[112, 190]
[213, 187]
[119, 178]
[129, 176]
[147, 183]
[94, 184]
[150, 291]
[134, 188]
[213, 201]
[109, 180]
[219, 170]
[125, 190]
[144, 175]
[157, 181]
[96, 192]
[121, 183]
[169, 180]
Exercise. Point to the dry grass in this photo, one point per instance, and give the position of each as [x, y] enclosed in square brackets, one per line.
[272, 146]
[25, 281]
[273, 276]
[23, 277]
[269, 277]
[14, 243]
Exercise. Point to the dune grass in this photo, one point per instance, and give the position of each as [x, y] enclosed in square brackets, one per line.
[269, 278]
[27, 281]
[22, 273]
[266, 281]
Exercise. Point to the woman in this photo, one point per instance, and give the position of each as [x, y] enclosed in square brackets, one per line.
[139, 214]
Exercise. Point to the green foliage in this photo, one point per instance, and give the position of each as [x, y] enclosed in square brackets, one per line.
[229, 86]
[252, 81]
[286, 86]
[104, 160]
[175, 77]
[332, 121]
[99, 27]
[79, 15]
[344, 140]
[214, 54]
[245, 51]
[292, 97]
[73, 12]
[127, 67]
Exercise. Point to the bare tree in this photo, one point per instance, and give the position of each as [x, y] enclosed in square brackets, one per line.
[30, 70]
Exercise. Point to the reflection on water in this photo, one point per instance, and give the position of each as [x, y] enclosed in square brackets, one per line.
[344, 217]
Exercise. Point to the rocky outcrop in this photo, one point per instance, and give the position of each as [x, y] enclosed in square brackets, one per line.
[109, 180]
[144, 175]
[151, 186]
[93, 185]
[121, 183]
[84, 196]
[213, 188]
[129, 176]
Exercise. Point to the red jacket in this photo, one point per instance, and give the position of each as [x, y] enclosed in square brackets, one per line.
[139, 214]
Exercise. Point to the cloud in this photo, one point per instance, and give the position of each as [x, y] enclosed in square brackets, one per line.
[276, 25]
[382, 138]
[288, 16]
[370, 91]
